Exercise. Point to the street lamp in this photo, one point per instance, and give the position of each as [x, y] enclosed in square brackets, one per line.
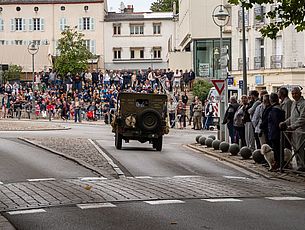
[221, 18]
[245, 83]
[33, 49]
[151, 59]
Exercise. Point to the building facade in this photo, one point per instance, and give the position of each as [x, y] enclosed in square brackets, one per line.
[270, 63]
[136, 40]
[42, 22]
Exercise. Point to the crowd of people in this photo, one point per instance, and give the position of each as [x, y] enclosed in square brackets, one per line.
[90, 95]
[259, 118]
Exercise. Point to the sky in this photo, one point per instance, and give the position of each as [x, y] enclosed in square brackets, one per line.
[138, 5]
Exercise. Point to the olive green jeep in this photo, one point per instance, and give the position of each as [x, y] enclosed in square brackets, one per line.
[141, 117]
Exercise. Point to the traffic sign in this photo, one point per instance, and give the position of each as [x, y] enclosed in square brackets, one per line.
[241, 84]
[230, 80]
[219, 85]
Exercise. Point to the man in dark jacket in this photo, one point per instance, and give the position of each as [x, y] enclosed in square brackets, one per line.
[275, 117]
[229, 118]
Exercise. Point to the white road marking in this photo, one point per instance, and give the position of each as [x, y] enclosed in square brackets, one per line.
[92, 178]
[236, 177]
[143, 177]
[31, 211]
[96, 205]
[155, 202]
[42, 179]
[285, 198]
[190, 176]
[222, 200]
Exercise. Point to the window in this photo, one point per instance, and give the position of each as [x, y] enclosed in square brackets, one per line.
[86, 23]
[37, 42]
[157, 53]
[132, 54]
[240, 14]
[36, 24]
[157, 28]
[2, 42]
[117, 53]
[18, 24]
[87, 44]
[62, 24]
[141, 53]
[18, 42]
[136, 29]
[116, 29]
[18, 8]
[62, 8]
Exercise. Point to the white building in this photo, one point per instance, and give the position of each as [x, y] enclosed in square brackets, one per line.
[135, 40]
[42, 21]
[270, 63]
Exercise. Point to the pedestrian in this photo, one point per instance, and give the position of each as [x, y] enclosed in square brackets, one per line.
[239, 122]
[181, 109]
[263, 126]
[197, 111]
[296, 125]
[229, 118]
[77, 110]
[171, 113]
[209, 111]
[286, 102]
[275, 117]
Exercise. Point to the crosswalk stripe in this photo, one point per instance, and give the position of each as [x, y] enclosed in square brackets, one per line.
[31, 211]
[143, 177]
[285, 198]
[222, 200]
[155, 202]
[96, 205]
[92, 178]
[41, 179]
[236, 177]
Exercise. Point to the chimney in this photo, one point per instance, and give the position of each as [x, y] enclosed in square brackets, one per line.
[129, 9]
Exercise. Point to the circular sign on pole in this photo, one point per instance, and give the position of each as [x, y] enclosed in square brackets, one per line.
[33, 48]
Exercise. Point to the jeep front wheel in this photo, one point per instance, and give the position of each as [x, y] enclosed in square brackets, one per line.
[118, 140]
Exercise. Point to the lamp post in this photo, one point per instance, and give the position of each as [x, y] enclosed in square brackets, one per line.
[151, 59]
[33, 49]
[221, 18]
[245, 83]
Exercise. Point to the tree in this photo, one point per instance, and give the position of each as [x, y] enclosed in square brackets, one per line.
[290, 12]
[13, 73]
[74, 54]
[201, 89]
[163, 5]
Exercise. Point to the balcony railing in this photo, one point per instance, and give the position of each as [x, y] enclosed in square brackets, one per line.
[259, 62]
[276, 61]
[240, 64]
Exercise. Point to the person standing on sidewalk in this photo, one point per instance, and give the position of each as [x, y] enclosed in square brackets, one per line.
[229, 118]
[296, 122]
[172, 113]
[197, 112]
[239, 123]
[76, 110]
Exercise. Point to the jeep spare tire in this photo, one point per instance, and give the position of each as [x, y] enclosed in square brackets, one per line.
[149, 120]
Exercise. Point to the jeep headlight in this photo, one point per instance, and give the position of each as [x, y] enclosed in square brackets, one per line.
[130, 121]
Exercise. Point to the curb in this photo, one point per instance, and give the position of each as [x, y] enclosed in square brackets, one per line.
[110, 161]
[230, 161]
[34, 130]
[78, 161]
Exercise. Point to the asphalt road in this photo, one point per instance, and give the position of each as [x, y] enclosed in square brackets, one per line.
[193, 214]
[20, 162]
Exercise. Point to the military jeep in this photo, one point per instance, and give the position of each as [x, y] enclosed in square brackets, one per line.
[140, 117]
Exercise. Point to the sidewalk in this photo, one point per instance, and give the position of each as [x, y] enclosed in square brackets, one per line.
[28, 125]
[249, 164]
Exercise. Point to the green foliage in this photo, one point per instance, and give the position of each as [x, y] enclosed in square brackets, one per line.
[290, 12]
[163, 5]
[201, 89]
[13, 73]
[74, 55]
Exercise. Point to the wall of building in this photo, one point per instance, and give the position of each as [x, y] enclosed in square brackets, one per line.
[180, 60]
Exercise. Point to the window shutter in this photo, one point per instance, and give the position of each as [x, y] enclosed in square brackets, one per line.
[42, 24]
[1, 25]
[31, 24]
[80, 24]
[23, 24]
[92, 26]
[92, 47]
[13, 24]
